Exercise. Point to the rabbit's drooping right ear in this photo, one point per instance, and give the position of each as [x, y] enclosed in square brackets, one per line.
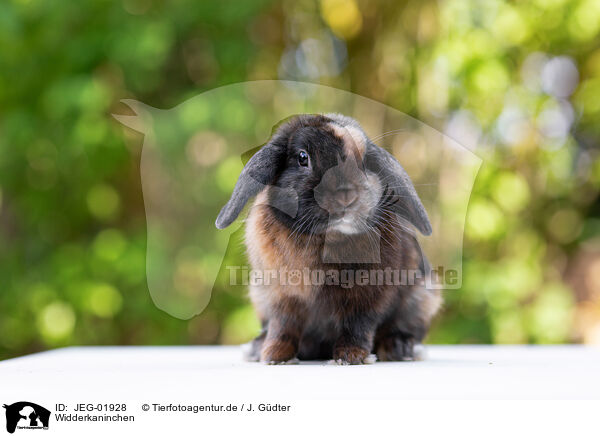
[260, 171]
[406, 201]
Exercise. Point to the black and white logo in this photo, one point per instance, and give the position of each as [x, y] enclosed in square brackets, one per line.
[26, 415]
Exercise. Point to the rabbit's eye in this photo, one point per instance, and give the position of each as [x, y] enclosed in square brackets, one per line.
[303, 158]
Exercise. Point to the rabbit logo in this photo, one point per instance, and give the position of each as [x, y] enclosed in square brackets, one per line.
[190, 161]
[26, 415]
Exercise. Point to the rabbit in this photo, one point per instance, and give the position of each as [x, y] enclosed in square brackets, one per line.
[329, 199]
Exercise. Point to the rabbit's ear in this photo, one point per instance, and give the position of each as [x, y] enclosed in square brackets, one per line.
[260, 171]
[392, 175]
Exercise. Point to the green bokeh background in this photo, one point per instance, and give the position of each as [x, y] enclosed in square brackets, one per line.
[72, 223]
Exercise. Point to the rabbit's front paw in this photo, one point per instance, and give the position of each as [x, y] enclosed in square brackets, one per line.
[278, 352]
[352, 356]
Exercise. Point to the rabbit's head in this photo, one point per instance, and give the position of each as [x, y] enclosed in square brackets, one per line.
[342, 182]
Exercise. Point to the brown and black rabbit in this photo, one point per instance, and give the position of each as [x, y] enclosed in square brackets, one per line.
[331, 201]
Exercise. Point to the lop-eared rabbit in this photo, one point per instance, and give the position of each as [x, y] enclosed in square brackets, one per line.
[331, 204]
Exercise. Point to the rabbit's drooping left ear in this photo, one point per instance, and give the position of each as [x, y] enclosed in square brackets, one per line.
[407, 203]
[259, 172]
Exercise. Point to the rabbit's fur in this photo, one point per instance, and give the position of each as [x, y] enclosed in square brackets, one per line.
[348, 207]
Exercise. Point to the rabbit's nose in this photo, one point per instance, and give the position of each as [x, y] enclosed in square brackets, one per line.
[345, 197]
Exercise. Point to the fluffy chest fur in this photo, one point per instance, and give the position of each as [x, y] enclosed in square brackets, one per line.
[294, 262]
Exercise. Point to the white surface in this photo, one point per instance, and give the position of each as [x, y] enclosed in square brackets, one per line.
[371, 399]
[449, 372]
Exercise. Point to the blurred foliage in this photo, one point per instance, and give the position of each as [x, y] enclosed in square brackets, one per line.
[517, 82]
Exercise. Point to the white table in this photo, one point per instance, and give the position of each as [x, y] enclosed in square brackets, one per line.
[218, 375]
